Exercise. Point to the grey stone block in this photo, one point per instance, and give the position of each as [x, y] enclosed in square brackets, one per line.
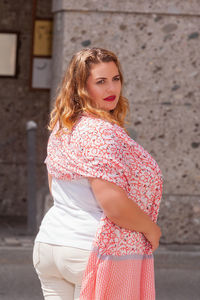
[179, 219]
[171, 135]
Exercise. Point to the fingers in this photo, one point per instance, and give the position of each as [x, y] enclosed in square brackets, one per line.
[153, 236]
[154, 246]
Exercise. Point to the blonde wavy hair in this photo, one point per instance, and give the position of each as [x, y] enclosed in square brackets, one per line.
[73, 99]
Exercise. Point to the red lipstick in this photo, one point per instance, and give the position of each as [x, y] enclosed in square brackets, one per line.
[110, 98]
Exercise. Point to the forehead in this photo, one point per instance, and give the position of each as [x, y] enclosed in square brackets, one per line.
[104, 69]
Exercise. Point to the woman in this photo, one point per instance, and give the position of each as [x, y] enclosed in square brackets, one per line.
[96, 242]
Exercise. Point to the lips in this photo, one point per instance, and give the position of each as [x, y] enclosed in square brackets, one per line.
[110, 98]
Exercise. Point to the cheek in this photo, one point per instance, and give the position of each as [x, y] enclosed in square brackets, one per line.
[119, 88]
[96, 92]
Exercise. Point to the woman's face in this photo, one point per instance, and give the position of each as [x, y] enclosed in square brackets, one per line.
[104, 85]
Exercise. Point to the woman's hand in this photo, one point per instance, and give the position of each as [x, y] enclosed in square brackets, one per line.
[153, 235]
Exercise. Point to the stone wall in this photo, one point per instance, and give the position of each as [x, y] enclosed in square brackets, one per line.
[18, 105]
[158, 45]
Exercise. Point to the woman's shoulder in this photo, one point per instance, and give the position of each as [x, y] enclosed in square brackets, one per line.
[97, 127]
[99, 134]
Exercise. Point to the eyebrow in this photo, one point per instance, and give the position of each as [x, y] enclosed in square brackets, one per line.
[106, 78]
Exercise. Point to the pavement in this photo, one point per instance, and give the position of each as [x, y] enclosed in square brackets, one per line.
[177, 269]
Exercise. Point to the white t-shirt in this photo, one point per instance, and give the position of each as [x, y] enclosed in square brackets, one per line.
[74, 217]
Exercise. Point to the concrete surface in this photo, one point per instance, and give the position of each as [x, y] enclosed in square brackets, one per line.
[177, 270]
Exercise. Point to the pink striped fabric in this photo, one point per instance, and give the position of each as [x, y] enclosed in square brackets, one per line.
[129, 277]
[121, 264]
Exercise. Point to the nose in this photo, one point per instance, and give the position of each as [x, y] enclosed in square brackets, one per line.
[110, 87]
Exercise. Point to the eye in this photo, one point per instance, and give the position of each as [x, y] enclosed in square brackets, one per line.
[101, 81]
[116, 78]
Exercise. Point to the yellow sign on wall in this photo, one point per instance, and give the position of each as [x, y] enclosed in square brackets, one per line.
[42, 45]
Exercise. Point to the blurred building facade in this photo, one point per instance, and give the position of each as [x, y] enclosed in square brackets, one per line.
[158, 46]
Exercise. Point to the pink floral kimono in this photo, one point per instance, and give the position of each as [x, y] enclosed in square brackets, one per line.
[121, 265]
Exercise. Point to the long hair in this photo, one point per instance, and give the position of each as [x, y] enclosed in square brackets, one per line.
[73, 98]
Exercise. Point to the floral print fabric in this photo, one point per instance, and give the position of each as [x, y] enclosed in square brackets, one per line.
[97, 148]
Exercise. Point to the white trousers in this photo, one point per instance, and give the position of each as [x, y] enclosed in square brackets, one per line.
[60, 270]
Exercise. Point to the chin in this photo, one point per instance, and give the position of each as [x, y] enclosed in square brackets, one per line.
[112, 106]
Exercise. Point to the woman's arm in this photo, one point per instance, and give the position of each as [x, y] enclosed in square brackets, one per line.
[50, 181]
[123, 211]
